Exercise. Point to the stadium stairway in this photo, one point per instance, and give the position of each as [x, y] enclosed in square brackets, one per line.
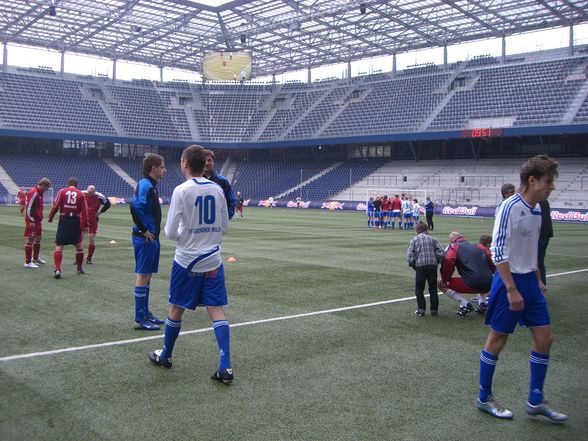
[192, 125]
[228, 170]
[119, 171]
[7, 181]
[576, 104]
[111, 117]
[309, 180]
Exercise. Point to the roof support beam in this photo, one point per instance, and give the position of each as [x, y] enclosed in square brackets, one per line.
[473, 17]
[410, 27]
[176, 24]
[225, 33]
[117, 14]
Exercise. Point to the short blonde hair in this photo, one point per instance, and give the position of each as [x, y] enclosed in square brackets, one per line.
[454, 235]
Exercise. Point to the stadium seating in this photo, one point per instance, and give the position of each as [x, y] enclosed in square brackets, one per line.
[26, 170]
[336, 179]
[463, 181]
[532, 94]
[260, 180]
[36, 101]
[530, 90]
[165, 187]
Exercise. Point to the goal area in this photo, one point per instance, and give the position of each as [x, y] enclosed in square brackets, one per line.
[418, 194]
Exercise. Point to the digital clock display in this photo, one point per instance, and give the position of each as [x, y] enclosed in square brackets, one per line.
[481, 133]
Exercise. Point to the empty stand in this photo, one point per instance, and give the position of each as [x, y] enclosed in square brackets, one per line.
[26, 170]
[527, 90]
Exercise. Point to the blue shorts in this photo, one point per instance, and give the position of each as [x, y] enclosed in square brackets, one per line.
[502, 319]
[146, 255]
[188, 289]
[69, 231]
[407, 215]
[396, 214]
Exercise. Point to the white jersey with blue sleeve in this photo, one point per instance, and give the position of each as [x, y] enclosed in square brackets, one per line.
[515, 236]
[406, 207]
[196, 220]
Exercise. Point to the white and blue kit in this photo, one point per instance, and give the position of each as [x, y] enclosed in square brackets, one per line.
[196, 220]
[515, 240]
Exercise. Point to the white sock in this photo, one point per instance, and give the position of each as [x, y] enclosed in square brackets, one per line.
[455, 296]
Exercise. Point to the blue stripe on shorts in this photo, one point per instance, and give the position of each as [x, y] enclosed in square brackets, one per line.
[146, 255]
[502, 319]
[188, 289]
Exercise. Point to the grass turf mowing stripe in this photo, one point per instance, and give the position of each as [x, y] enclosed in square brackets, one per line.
[234, 325]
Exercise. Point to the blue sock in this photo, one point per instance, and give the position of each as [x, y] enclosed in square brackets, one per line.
[141, 293]
[172, 330]
[392, 225]
[147, 300]
[539, 363]
[487, 366]
[223, 338]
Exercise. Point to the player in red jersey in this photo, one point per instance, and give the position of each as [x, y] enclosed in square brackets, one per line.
[94, 199]
[34, 223]
[396, 206]
[386, 209]
[73, 210]
[21, 199]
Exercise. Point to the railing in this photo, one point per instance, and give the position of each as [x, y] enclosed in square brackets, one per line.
[381, 181]
[481, 181]
[454, 196]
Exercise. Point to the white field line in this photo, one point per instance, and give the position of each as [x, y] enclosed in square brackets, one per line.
[234, 325]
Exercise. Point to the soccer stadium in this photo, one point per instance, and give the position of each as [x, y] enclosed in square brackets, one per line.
[311, 107]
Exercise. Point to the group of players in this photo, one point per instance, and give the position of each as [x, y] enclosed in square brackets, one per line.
[383, 212]
[198, 216]
[513, 272]
[79, 213]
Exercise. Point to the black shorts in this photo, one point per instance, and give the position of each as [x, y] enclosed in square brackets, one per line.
[69, 231]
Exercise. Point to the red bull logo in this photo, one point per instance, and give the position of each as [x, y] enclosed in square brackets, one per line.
[300, 204]
[246, 202]
[333, 205]
[569, 216]
[267, 203]
[460, 211]
[114, 200]
[361, 207]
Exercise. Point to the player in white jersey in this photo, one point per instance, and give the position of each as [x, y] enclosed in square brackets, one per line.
[416, 211]
[517, 294]
[196, 220]
[407, 212]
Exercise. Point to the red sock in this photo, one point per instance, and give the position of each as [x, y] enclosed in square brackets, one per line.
[79, 259]
[57, 257]
[91, 249]
[36, 249]
[28, 253]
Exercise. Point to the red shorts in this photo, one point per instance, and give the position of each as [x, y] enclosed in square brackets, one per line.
[93, 229]
[35, 231]
[458, 285]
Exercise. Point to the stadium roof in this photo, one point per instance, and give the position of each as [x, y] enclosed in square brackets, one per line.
[282, 35]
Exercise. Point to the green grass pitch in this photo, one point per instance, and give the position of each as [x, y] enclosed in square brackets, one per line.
[373, 373]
